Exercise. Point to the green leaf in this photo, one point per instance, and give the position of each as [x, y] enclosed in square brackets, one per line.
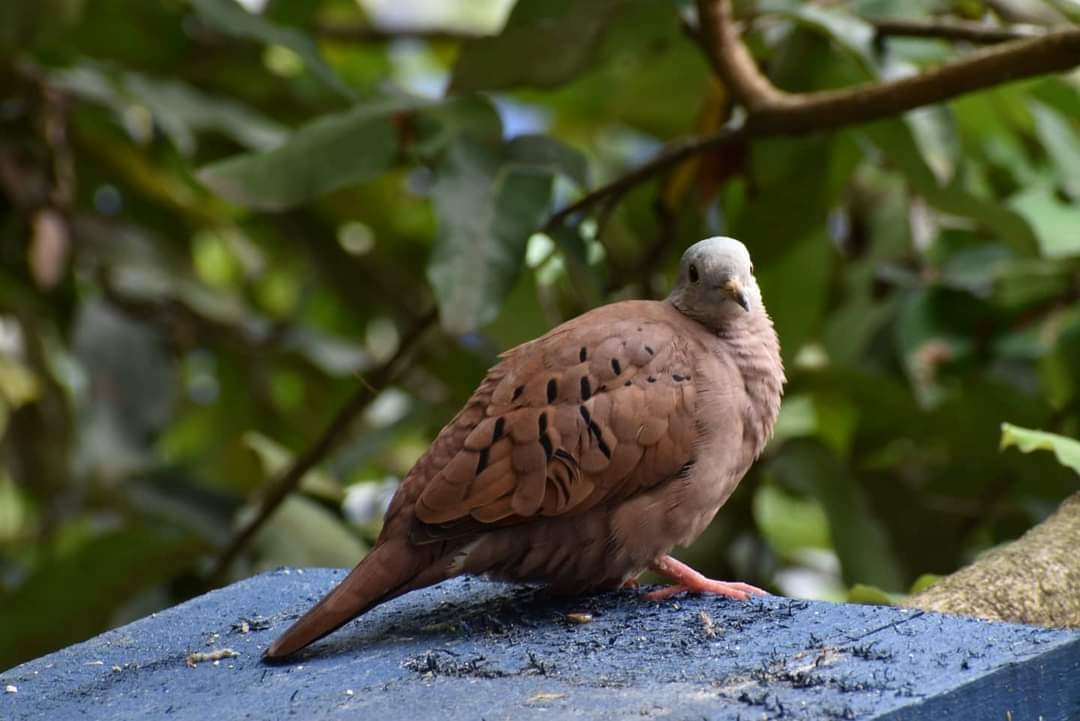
[1056, 224]
[1062, 145]
[850, 32]
[229, 17]
[924, 582]
[331, 152]
[95, 578]
[547, 42]
[486, 209]
[859, 539]
[180, 110]
[870, 595]
[894, 138]
[274, 458]
[440, 124]
[1067, 450]
[303, 534]
[789, 523]
[547, 153]
[354, 146]
[575, 257]
[794, 286]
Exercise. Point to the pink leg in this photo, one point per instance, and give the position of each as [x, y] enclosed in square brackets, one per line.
[687, 579]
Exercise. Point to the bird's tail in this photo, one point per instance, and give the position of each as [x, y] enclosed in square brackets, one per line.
[387, 571]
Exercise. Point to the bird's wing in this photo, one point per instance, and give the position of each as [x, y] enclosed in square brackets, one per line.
[593, 412]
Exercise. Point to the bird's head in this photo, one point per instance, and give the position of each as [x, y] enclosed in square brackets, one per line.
[716, 282]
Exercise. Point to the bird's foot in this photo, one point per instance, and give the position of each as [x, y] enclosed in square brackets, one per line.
[689, 580]
[630, 583]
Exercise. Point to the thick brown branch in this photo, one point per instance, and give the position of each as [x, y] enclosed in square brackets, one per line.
[952, 29]
[771, 113]
[730, 58]
[290, 479]
[795, 114]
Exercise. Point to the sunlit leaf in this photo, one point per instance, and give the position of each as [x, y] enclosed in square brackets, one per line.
[1056, 224]
[790, 523]
[303, 533]
[1027, 440]
[872, 595]
[1062, 142]
[924, 582]
[274, 458]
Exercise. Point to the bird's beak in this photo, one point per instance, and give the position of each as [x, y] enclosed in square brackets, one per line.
[735, 290]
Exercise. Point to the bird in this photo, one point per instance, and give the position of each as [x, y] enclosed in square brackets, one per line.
[587, 455]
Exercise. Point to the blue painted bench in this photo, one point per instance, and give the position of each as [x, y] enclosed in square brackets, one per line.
[469, 649]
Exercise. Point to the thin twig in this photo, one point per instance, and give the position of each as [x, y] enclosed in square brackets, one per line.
[953, 29]
[672, 156]
[290, 479]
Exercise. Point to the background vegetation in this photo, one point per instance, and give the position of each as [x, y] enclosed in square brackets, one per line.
[231, 242]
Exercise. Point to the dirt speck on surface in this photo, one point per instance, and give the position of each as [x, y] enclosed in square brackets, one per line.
[194, 659]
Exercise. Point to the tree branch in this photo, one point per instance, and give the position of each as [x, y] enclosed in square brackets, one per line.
[289, 480]
[730, 58]
[672, 156]
[830, 109]
[1031, 580]
[952, 29]
[772, 113]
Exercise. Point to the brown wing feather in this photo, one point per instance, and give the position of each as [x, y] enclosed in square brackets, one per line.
[593, 412]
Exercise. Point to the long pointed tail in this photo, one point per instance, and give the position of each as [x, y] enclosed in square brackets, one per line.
[384, 573]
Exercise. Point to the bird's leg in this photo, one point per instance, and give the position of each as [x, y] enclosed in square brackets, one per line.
[687, 579]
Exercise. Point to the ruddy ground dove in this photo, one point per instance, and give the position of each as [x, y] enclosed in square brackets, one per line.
[587, 455]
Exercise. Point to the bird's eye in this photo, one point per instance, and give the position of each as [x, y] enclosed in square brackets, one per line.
[693, 273]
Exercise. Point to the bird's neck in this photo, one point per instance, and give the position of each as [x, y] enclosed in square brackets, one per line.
[753, 346]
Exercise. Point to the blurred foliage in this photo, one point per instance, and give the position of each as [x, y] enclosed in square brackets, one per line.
[214, 223]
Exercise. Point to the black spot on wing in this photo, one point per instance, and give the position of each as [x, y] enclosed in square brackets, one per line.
[545, 440]
[595, 430]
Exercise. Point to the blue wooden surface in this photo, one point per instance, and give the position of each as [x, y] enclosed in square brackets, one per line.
[469, 649]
